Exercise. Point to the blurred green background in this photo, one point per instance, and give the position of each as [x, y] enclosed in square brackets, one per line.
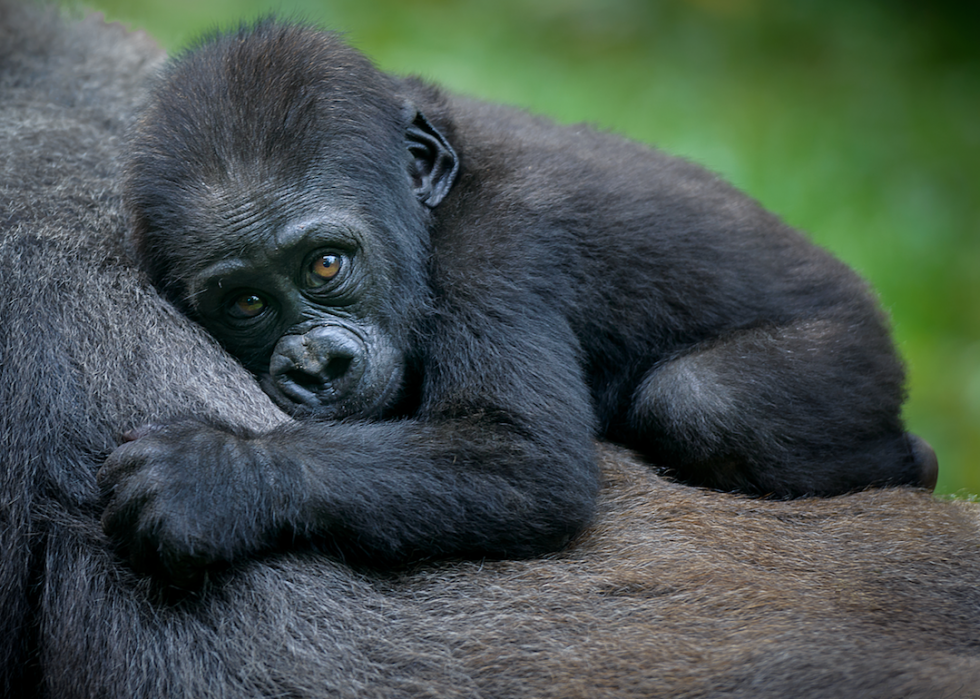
[856, 120]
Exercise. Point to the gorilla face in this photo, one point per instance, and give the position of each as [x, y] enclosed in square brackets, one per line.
[301, 306]
[302, 249]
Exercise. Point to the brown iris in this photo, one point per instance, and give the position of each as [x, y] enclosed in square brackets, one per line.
[324, 268]
[248, 305]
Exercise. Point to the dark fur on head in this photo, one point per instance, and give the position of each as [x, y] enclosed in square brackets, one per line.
[243, 131]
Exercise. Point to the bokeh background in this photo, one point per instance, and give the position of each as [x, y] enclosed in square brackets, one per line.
[855, 120]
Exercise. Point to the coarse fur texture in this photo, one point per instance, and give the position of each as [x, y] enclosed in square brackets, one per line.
[672, 592]
[457, 298]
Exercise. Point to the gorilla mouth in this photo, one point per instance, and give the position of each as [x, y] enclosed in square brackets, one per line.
[300, 395]
[306, 389]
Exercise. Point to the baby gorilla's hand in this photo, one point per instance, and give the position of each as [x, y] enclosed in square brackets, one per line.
[187, 496]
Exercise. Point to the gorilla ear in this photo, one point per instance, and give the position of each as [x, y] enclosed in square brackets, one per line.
[434, 162]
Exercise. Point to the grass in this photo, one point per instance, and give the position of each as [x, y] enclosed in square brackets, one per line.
[857, 121]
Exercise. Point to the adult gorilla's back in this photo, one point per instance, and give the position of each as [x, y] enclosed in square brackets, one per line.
[674, 591]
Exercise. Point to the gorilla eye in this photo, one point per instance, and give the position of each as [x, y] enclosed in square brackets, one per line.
[323, 269]
[247, 306]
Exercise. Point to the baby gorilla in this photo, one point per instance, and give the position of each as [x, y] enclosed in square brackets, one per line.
[454, 299]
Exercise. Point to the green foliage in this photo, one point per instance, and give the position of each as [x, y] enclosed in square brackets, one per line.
[855, 120]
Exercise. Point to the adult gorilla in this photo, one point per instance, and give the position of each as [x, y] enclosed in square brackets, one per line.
[674, 592]
[460, 297]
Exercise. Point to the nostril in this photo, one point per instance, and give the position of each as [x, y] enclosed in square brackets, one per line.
[319, 367]
[336, 367]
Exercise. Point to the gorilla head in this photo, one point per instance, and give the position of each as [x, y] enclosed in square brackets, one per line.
[295, 231]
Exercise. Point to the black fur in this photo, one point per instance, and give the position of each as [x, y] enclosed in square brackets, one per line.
[508, 290]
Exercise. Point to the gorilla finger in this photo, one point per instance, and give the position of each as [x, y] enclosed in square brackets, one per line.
[123, 461]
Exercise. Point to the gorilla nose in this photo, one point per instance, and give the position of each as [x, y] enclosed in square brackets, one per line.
[319, 366]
